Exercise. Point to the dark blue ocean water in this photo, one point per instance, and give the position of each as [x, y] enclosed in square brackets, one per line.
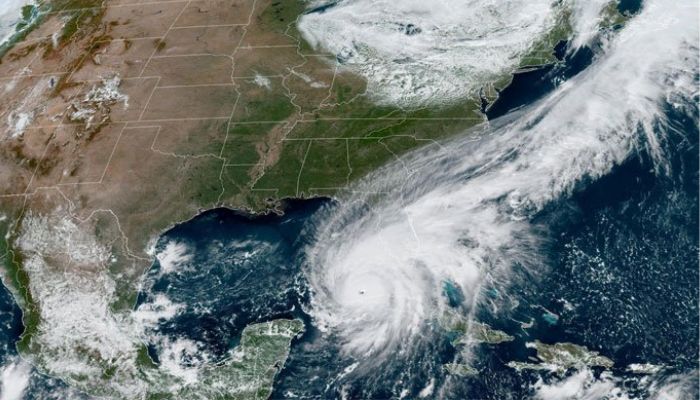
[10, 325]
[246, 270]
[39, 387]
[622, 277]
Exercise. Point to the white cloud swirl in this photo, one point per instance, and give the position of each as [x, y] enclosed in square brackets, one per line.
[462, 210]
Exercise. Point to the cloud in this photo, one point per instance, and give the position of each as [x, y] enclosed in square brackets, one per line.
[463, 211]
[14, 379]
[415, 52]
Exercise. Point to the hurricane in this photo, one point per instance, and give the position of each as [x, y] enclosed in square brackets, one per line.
[463, 213]
[516, 215]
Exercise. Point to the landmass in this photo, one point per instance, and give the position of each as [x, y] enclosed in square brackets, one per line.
[461, 370]
[122, 118]
[483, 333]
[473, 332]
[468, 333]
[561, 357]
[252, 366]
[645, 368]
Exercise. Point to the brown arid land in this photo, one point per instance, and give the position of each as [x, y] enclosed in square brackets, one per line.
[122, 118]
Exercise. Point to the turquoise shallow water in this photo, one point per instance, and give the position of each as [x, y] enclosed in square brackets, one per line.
[622, 279]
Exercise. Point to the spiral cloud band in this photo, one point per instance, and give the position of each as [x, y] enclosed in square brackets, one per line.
[461, 211]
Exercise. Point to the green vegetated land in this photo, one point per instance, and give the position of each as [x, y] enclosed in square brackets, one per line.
[345, 135]
[308, 130]
[76, 13]
[250, 370]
